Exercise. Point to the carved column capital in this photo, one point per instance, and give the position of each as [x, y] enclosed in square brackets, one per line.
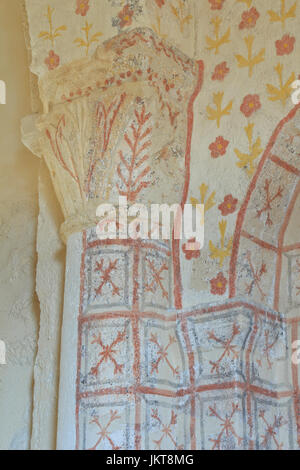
[119, 124]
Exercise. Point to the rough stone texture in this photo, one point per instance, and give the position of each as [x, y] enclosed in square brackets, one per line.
[19, 314]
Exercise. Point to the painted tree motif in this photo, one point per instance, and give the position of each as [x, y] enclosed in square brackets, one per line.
[132, 170]
[63, 151]
[105, 119]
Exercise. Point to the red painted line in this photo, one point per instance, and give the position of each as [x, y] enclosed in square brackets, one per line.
[188, 391]
[130, 242]
[288, 248]
[285, 165]
[176, 243]
[259, 242]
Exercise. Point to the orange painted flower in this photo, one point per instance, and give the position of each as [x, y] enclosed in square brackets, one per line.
[125, 16]
[160, 3]
[189, 254]
[220, 72]
[249, 18]
[285, 45]
[82, 7]
[218, 147]
[216, 4]
[250, 104]
[52, 61]
[228, 206]
[218, 285]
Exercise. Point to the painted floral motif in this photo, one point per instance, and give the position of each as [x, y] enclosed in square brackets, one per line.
[251, 103]
[52, 61]
[180, 14]
[88, 40]
[216, 4]
[125, 16]
[283, 92]
[207, 201]
[82, 7]
[284, 14]
[220, 72]
[224, 250]
[159, 3]
[247, 160]
[214, 43]
[218, 285]
[249, 19]
[250, 60]
[53, 32]
[228, 206]
[216, 114]
[285, 45]
[218, 147]
[190, 254]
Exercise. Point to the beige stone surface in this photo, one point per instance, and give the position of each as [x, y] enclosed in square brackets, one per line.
[19, 312]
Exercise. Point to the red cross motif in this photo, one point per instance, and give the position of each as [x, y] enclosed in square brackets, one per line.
[256, 275]
[162, 354]
[268, 346]
[108, 352]
[166, 430]
[227, 426]
[104, 433]
[229, 348]
[268, 201]
[271, 430]
[106, 276]
[157, 279]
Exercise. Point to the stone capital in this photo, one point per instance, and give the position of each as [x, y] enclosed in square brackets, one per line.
[118, 124]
